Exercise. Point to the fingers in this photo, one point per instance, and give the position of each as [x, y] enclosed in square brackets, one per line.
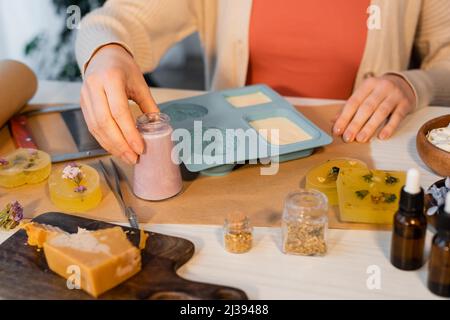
[377, 100]
[364, 112]
[378, 117]
[140, 93]
[118, 105]
[352, 106]
[86, 108]
[104, 128]
[394, 121]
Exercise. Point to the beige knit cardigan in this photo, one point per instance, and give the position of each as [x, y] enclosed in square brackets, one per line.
[148, 28]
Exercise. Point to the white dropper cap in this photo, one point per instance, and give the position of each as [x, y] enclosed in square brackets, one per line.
[412, 181]
[447, 203]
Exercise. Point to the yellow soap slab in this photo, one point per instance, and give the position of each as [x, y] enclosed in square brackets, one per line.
[369, 196]
[63, 191]
[105, 258]
[24, 166]
[288, 131]
[38, 233]
[323, 177]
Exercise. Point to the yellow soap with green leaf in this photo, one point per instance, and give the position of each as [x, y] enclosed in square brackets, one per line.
[323, 177]
[369, 196]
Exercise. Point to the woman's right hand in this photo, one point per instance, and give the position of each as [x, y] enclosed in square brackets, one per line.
[111, 78]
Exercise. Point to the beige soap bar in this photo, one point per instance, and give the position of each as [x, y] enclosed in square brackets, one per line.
[288, 131]
[247, 100]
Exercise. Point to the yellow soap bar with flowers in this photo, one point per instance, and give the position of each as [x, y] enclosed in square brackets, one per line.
[323, 177]
[24, 166]
[369, 196]
[100, 259]
[75, 187]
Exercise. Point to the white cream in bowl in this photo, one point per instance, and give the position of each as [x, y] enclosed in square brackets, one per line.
[440, 137]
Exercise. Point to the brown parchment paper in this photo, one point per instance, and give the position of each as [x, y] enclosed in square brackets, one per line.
[204, 200]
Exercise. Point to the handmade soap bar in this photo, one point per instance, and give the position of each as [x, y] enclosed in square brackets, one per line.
[24, 166]
[104, 258]
[247, 100]
[323, 177]
[75, 188]
[369, 196]
[38, 233]
[288, 131]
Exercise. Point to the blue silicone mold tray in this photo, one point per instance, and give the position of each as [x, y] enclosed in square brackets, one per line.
[216, 112]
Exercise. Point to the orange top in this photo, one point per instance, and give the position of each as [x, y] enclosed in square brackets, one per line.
[307, 48]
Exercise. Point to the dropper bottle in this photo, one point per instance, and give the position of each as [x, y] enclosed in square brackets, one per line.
[439, 264]
[410, 225]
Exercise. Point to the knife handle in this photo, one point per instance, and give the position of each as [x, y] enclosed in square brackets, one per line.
[20, 133]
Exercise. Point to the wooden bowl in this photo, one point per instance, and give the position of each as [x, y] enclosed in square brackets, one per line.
[436, 159]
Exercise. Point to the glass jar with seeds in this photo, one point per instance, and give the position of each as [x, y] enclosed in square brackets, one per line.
[238, 233]
[305, 223]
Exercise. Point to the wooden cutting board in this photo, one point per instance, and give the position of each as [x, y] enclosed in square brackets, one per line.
[24, 273]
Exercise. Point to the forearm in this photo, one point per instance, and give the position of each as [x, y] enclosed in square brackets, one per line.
[145, 28]
[431, 87]
[432, 81]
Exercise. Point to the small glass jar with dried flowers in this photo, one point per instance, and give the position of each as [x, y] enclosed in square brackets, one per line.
[238, 233]
[305, 223]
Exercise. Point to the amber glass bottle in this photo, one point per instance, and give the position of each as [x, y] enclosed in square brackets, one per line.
[439, 264]
[410, 226]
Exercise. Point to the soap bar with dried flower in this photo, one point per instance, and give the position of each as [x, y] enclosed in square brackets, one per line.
[75, 187]
[24, 166]
[369, 196]
[323, 177]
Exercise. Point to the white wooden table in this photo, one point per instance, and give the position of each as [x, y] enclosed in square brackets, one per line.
[355, 258]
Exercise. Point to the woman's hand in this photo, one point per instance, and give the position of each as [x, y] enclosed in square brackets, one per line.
[377, 99]
[112, 77]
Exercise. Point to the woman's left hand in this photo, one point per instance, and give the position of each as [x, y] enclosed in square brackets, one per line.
[388, 97]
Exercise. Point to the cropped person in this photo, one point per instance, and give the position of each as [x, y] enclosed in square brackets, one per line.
[358, 50]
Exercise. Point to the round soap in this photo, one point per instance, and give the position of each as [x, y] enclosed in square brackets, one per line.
[24, 166]
[70, 196]
[323, 177]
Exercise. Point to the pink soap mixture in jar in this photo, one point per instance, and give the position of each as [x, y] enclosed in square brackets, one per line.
[156, 175]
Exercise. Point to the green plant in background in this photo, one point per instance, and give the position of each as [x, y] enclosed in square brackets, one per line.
[62, 51]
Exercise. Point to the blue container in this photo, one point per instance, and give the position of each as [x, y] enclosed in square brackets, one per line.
[207, 144]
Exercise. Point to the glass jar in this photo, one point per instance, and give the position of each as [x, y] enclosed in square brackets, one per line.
[238, 233]
[305, 223]
[439, 263]
[157, 175]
